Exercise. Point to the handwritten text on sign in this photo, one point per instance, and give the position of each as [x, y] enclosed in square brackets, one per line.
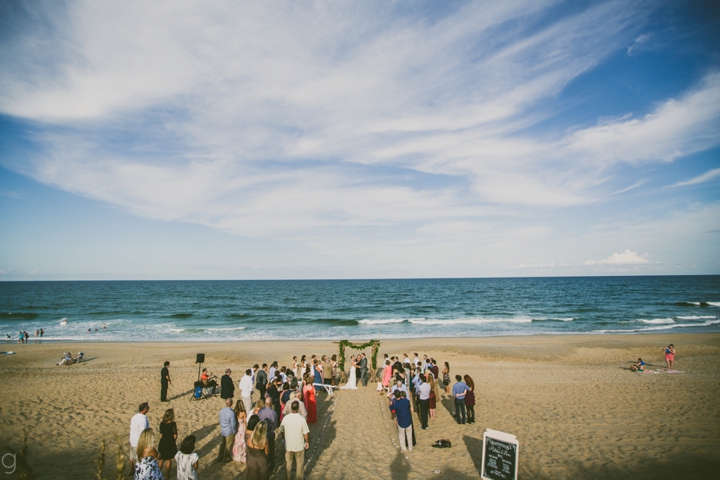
[500, 454]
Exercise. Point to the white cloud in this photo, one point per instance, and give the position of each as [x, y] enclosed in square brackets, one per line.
[262, 119]
[639, 43]
[625, 258]
[705, 177]
[676, 128]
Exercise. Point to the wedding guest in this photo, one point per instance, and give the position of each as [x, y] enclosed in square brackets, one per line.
[238, 449]
[399, 386]
[309, 400]
[295, 429]
[284, 397]
[294, 396]
[138, 424]
[187, 460]
[164, 381]
[459, 391]
[387, 374]
[147, 466]
[273, 392]
[246, 388]
[416, 360]
[252, 422]
[470, 399]
[326, 370]
[433, 398]
[261, 380]
[318, 377]
[258, 405]
[403, 414]
[335, 370]
[295, 366]
[167, 446]
[228, 427]
[434, 368]
[273, 370]
[257, 453]
[227, 386]
[446, 377]
[424, 390]
[268, 415]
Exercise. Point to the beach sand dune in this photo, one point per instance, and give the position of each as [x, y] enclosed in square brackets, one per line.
[575, 408]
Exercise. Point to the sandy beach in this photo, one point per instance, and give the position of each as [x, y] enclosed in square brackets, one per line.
[572, 403]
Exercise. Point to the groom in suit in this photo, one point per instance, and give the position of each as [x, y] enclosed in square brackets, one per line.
[363, 370]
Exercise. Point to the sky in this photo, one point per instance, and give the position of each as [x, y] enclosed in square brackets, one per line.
[375, 139]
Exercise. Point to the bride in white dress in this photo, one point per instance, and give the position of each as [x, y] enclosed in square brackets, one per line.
[352, 381]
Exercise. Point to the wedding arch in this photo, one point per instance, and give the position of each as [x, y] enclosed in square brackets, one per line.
[375, 344]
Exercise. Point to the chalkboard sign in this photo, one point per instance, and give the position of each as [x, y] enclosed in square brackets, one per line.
[500, 456]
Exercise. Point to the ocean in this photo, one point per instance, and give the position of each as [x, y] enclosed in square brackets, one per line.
[358, 309]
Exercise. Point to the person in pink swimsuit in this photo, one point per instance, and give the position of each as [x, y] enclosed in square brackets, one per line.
[670, 355]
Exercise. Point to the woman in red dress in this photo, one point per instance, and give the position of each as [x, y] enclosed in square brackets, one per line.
[309, 400]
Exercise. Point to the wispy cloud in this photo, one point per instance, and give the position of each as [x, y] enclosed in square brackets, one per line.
[262, 119]
[639, 43]
[705, 177]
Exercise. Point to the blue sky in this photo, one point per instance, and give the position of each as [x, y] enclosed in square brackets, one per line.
[187, 140]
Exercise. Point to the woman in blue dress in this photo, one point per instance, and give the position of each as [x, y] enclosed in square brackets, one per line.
[318, 375]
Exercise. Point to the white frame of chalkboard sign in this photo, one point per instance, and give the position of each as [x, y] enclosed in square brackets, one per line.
[502, 437]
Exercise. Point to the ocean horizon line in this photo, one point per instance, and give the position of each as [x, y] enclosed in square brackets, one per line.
[644, 275]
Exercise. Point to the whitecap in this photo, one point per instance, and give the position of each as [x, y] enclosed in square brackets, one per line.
[696, 317]
[661, 321]
[714, 304]
[554, 319]
[470, 321]
[383, 321]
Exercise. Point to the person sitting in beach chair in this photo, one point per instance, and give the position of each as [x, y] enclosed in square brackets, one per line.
[638, 367]
[67, 359]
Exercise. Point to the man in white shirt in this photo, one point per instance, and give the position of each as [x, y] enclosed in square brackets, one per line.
[296, 431]
[294, 398]
[416, 360]
[423, 390]
[138, 423]
[246, 390]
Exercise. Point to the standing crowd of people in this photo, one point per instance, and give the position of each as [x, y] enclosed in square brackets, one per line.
[271, 402]
[268, 402]
[413, 386]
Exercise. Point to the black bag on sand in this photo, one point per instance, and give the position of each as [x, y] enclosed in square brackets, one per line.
[442, 444]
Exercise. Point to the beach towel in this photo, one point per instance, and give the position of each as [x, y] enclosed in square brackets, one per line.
[673, 371]
[7, 353]
[650, 371]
